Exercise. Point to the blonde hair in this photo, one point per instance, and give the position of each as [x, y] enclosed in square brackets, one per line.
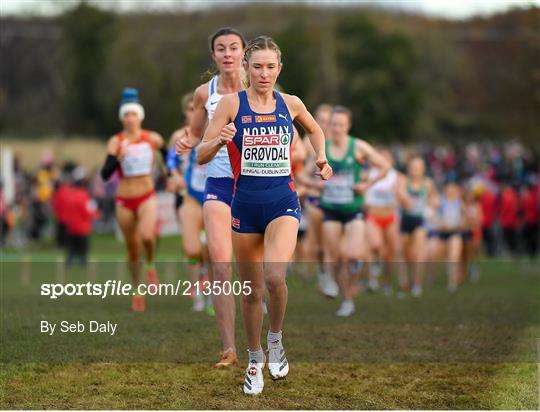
[260, 43]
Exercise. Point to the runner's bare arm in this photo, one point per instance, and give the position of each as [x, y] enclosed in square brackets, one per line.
[176, 180]
[113, 146]
[316, 136]
[403, 198]
[299, 152]
[157, 140]
[306, 177]
[221, 129]
[365, 151]
[433, 196]
[194, 132]
[176, 136]
[199, 120]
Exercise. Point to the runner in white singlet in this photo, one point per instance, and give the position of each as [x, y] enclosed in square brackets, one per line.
[227, 50]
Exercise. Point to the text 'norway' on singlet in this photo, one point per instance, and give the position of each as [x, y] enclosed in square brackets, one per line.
[260, 152]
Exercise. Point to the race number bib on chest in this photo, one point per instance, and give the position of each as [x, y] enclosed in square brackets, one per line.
[339, 189]
[138, 160]
[383, 197]
[266, 151]
[418, 204]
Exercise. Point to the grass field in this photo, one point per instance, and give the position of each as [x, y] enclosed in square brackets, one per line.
[476, 349]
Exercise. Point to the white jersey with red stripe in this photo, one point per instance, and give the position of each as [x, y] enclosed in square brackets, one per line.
[139, 156]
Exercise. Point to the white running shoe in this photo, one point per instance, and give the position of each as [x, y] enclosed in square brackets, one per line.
[278, 366]
[375, 268]
[198, 303]
[322, 282]
[333, 288]
[346, 308]
[327, 285]
[416, 291]
[373, 284]
[254, 382]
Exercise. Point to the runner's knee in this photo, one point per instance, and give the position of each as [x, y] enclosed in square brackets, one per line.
[255, 296]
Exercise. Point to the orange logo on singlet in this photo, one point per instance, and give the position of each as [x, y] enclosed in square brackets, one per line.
[268, 118]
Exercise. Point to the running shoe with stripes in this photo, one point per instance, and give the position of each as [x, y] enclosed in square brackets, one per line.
[254, 383]
[278, 366]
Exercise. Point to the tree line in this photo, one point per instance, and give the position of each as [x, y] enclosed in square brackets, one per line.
[406, 77]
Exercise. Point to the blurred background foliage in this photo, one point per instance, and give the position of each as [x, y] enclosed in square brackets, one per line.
[406, 77]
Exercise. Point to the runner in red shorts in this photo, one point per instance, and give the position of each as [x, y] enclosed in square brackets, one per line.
[131, 153]
[382, 227]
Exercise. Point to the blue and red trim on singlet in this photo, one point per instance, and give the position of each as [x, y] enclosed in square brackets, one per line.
[258, 200]
[246, 118]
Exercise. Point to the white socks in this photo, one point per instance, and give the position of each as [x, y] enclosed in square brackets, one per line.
[257, 356]
[274, 339]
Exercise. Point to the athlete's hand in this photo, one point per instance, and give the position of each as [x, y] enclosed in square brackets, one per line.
[175, 183]
[186, 143]
[325, 171]
[122, 150]
[172, 183]
[227, 134]
[361, 187]
[318, 184]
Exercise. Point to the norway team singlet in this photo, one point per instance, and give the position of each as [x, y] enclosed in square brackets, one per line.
[260, 152]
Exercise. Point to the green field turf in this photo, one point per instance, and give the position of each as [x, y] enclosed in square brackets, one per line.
[476, 349]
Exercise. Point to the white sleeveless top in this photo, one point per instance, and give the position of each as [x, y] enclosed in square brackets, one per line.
[383, 192]
[219, 166]
[139, 157]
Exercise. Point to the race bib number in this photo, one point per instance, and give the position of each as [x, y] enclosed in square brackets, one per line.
[266, 152]
[418, 205]
[383, 197]
[138, 160]
[339, 189]
[452, 216]
[198, 177]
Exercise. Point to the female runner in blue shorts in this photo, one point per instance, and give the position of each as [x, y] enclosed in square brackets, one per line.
[256, 125]
[227, 49]
[190, 177]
